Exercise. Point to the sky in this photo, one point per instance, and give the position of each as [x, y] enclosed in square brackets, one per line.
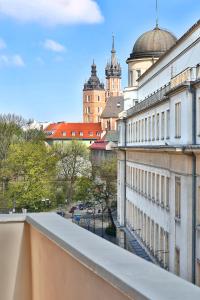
[47, 48]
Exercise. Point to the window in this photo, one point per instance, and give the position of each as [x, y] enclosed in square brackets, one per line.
[178, 120]
[142, 130]
[87, 98]
[64, 133]
[153, 128]
[98, 133]
[98, 98]
[81, 133]
[149, 184]
[157, 187]
[178, 197]
[153, 186]
[138, 73]
[149, 128]
[198, 273]
[90, 133]
[177, 261]
[87, 110]
[198, 207]
[167, 192]
[162, 125]
[157, 126]
[162, 190]
[131, 78]
[73, 133]
[145, 129]
[168, 124]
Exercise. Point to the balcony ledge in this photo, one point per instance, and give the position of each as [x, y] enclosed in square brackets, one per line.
[134, 277]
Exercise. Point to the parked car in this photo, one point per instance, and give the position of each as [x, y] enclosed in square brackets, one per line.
[72, 209]
[61, 213]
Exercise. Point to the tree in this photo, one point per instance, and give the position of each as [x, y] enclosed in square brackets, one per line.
[10, 131]
[105, 185]
[73, 163]
[30, 168]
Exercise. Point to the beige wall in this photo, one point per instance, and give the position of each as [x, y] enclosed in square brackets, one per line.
[93, 104]
[15, 269]
[57, 275]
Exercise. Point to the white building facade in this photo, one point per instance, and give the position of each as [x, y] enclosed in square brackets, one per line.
[159, 157]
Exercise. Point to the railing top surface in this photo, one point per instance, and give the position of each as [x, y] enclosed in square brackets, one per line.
[132, 275]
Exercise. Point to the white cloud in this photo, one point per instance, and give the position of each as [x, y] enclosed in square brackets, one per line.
[2, 44]
[52, 12]
[11, 60]
[53, 46]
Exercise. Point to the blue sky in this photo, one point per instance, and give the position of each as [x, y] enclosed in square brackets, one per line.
[46, 51]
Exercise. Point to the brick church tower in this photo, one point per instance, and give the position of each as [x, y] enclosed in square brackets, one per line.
[94, 99]
[113, 75]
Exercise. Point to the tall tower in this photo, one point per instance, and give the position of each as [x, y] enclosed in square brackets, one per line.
[113, 74]
[93, 98]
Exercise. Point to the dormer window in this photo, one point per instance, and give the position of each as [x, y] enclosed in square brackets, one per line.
[64, 133]
[90, 133]
[81, 133]
[73, 133]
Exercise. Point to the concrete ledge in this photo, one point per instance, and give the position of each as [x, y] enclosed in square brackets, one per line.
[130, 274]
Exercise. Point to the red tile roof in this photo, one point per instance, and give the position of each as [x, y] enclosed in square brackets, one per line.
[62, 130]
[99, 145]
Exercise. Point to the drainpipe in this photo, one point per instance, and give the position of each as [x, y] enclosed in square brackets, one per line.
[193, 92]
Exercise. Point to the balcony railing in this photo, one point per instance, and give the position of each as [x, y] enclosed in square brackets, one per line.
[43, 256]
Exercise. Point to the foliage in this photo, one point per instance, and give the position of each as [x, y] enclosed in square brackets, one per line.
[33, 135]
[83, 189]
[30, 168]
[10, 131]
[73, 163]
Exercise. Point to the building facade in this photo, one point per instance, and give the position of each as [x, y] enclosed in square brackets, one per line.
[61, 132]
[94, 98]
[158, 152]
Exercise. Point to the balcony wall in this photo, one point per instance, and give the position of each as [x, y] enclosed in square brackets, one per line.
[44, 256]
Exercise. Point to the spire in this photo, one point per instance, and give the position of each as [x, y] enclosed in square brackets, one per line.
[156, 13]
[113, 68]
[113, 44]
[93, 83]
[93, 69]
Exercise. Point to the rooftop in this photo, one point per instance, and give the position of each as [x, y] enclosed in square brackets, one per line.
[62, 130]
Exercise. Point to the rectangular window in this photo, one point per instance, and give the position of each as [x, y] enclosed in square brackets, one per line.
[178, 120]
[168, 124]
[131, 78]
[162, 190]
[145, 183]
[81, 133]
[64, 133]
[149, 128]
[158, 188]
[198, 207]
[177, 261]
[157, 126]
[198, 273]
[142, 130]
[162, 125]
[139, 138]
[90, 133]
[167, 192]
[153, 186]
[73, 133]
[153, 128]
[98, 98]
[178, 197]
[149, 184]
[145, 129]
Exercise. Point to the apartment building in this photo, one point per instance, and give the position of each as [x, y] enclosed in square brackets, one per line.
[158, 150]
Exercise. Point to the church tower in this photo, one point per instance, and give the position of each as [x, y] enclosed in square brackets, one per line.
[93, 98]
[113, 75]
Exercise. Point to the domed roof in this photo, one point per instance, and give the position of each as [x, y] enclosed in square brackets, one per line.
[153, 43]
